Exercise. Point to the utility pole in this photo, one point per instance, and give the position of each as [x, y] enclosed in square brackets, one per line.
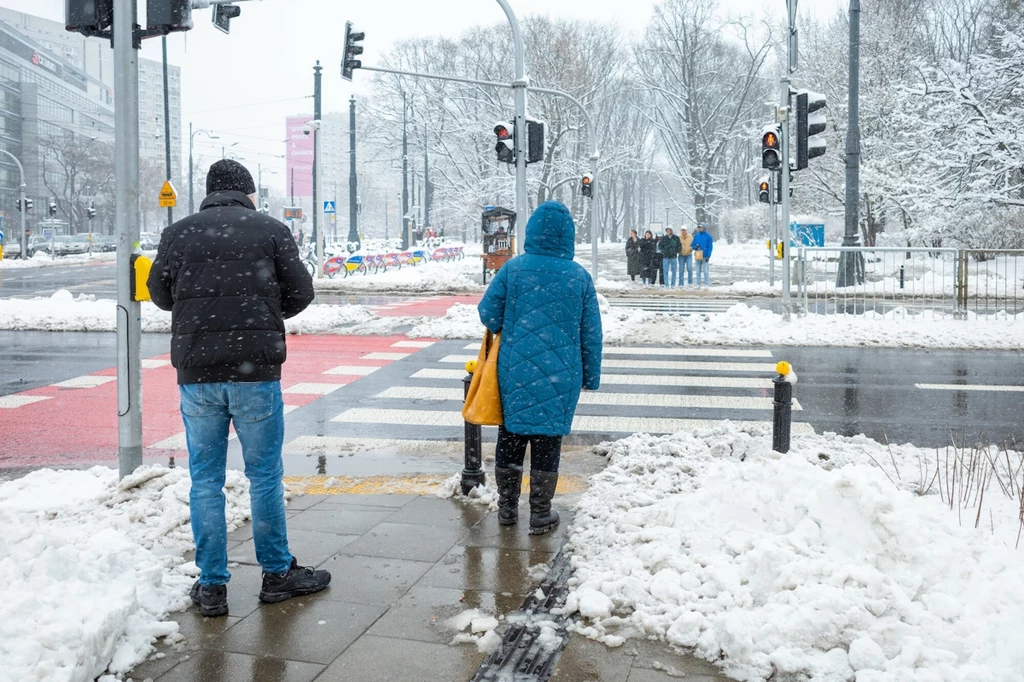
[519, 86]
[851, 263]
[353, 209]
[426, 176]
[129, 312]
[784, 171]
[774, 235]
[316, 159]
[406, 231]
[167, 126]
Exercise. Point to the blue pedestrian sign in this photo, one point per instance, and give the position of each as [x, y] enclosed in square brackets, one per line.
[329, 207]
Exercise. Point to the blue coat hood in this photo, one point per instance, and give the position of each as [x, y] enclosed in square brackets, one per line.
[551, 232]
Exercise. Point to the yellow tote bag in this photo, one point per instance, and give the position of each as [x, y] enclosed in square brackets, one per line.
[483, 402]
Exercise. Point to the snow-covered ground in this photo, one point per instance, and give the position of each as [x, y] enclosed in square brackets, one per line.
[740, 325]
[845, 559]
[743, 325]
[43, 260]
[91, 567]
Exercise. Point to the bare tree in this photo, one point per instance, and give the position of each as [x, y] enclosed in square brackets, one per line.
[79, 172]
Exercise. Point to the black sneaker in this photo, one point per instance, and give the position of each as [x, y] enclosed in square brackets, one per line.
[299, 580]
[212, 600]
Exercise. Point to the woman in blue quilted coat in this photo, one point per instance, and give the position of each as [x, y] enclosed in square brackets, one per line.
[546, 307]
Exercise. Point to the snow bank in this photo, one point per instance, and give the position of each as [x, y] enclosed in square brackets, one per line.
[461, 321]
[429, 277]
[43, 260]
[91, 567]
[821, 564]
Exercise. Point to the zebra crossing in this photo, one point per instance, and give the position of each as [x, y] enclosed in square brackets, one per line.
[656, 390]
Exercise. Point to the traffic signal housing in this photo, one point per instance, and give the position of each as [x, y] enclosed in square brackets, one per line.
[587, 185]
[91, 211]
[535, 141]
[166, 16]
[810, 124]
[52, 208]
[26, 207]
[764, 191]
[771, 147]
[506, 146]
[349, 63]
[222, 16]
[88, 17]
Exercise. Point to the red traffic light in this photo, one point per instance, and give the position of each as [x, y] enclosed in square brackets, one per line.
[771, 140]
[763, 187]
[502, 132]
[586, 179]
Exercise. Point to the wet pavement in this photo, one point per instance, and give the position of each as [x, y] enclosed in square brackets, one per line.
[402, 565]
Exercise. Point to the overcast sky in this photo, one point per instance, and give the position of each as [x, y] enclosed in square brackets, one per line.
[243, 85]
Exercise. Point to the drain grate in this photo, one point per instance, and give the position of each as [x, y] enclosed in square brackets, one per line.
[524, 656]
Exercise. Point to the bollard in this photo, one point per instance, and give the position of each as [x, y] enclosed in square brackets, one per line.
[782, 415]
[473, 473]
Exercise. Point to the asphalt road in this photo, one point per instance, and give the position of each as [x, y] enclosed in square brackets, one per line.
[97, 279]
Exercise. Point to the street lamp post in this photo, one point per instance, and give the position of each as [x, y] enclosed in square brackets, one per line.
[21, 203]
[191, 169]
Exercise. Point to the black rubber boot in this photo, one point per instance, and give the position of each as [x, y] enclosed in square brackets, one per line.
[542, 491]
[299, 580]
[510, 483]
[212, 600]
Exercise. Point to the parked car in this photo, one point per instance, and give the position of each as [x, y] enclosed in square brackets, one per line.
[65, 245]
[37, 244]
[104, 243]
[12, 249]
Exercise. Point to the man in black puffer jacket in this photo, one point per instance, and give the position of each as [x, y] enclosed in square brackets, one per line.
[230, 275]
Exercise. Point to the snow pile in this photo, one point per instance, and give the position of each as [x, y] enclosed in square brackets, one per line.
[481, 628]
[485, 495]
[461, 321]
[456, 276]
[820, 564]
[92, 566]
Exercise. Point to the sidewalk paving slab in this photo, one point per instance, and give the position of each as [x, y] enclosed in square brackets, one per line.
[401, 565]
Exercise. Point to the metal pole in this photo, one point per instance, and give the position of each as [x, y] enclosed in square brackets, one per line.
[787, 305]
[472, 473]
[519, 86]
[129, 312]
[773, 236]
[426, 175]
[851, 268]
[318, 142]
[316, 158]
[406, 232]
[782, 413]
[21, 204]
[191, 171]
[353, 209]
[167, 126]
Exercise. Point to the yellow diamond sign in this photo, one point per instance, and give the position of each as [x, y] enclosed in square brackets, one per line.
[168, 196]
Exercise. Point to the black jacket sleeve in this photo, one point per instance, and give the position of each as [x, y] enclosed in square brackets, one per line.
[160, 279]
[296, 283]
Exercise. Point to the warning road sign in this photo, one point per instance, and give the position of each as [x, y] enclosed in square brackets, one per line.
[168, 197]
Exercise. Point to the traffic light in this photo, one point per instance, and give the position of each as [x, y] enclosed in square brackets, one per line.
[810, 124]
[91, 211]
[506, 146]
[88, 17]
[222, 16]
[764, 191]
[587, 185]
[52, 208]
[535, 141]
[26, 207]
[771, 147]
[166, 16]
[348, 61]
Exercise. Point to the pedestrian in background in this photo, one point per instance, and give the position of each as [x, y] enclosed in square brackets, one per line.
[685, 256]
[230, 275]
[546, 307]
[702, 243]
[670, 247]
[649, 258]
[634, 266]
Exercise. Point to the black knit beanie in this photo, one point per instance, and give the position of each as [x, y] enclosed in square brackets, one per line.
[228, 175]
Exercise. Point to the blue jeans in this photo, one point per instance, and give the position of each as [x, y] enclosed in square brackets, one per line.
[686, 268]
[704, 267]
[669, 268]
[257, 411]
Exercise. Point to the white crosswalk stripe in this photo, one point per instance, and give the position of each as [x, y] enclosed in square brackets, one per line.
[675, 352]
[657, 364]
[608, 379]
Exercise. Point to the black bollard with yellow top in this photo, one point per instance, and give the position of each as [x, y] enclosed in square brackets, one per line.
[782, 416]
[473, 473]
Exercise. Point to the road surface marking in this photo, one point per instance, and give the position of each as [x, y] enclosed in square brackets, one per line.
[342, 445]
[153, 363]
[10, 402]
[385, 356]
[453, 374]
[658, 364]
[580, 423]
[90, 381]
[352, 370]
[676, 352]
[972, 387]
[417, 484]
[630, 379]
[310, 388]
[412, 344]
[719, 402]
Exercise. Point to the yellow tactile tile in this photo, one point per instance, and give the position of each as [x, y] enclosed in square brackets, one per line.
[422, 484]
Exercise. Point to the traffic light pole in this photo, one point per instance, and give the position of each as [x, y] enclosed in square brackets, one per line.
[773, 237]
[784, 171]
[21, 202]
[519, 86]
[126, 220]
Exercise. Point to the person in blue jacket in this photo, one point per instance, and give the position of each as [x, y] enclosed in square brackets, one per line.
[545, 306]
[703, 242]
